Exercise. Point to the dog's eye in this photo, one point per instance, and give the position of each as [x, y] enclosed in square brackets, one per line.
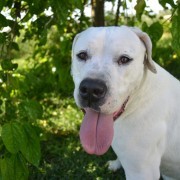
[82, 56]
[124, 59]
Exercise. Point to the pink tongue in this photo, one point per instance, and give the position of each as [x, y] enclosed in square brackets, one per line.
[96, 132]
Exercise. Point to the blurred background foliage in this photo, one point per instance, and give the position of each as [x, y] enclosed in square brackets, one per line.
[39, 120]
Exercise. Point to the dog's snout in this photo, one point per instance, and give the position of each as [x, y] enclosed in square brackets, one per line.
[92, 90]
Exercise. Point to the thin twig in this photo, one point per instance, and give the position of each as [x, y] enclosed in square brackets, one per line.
[117, 13]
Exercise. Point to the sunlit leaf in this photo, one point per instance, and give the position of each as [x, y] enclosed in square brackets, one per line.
[141, 4]
[31, 148]
[13, 136]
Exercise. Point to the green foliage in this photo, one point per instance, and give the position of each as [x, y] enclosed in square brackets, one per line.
[23, 89]
[22, 142]
[30, 109]
[155, 31]
[175, 33]
[30, 148]
[13, 166]
[170, 2]
[62, 120]
[8, 65]
[13, 136]
[140, 5]
[165, 36]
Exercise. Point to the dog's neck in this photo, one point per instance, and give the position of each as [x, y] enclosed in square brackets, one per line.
[141, 96]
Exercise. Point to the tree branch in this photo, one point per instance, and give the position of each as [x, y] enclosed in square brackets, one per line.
[117, 13]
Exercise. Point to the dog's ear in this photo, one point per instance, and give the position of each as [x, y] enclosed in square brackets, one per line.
[147, 42]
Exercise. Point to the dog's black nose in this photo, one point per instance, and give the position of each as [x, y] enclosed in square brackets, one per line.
[92, 90]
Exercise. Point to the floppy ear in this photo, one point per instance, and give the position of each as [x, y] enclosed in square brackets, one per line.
[147, 42]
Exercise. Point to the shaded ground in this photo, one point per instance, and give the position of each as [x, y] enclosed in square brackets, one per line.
[65, 159]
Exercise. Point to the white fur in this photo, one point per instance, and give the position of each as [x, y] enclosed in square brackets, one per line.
[147, 135]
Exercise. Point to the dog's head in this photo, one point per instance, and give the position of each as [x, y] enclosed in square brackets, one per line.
[108, 65]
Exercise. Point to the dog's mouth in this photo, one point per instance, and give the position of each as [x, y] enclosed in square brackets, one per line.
[96, 132]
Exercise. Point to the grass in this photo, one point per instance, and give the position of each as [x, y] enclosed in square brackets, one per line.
[64, 158]
[62, 153]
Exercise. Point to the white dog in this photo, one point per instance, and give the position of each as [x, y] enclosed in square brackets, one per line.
[129, 101]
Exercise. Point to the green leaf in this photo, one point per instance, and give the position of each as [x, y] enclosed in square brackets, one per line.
[31, 149]
[164, 2]
[22, 138]
[13, 136]
[145, 27]
[14, 167]
[15, 46]
[8, 65]
[141, 4]
[1, 102]
[79, 4]
[3, 21]
[175, 33]
[2, 38]
[2, 3]
[155, 32]
[30, 109]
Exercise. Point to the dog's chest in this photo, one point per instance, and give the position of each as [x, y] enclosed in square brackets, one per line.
[126, 138]
[132, 139]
